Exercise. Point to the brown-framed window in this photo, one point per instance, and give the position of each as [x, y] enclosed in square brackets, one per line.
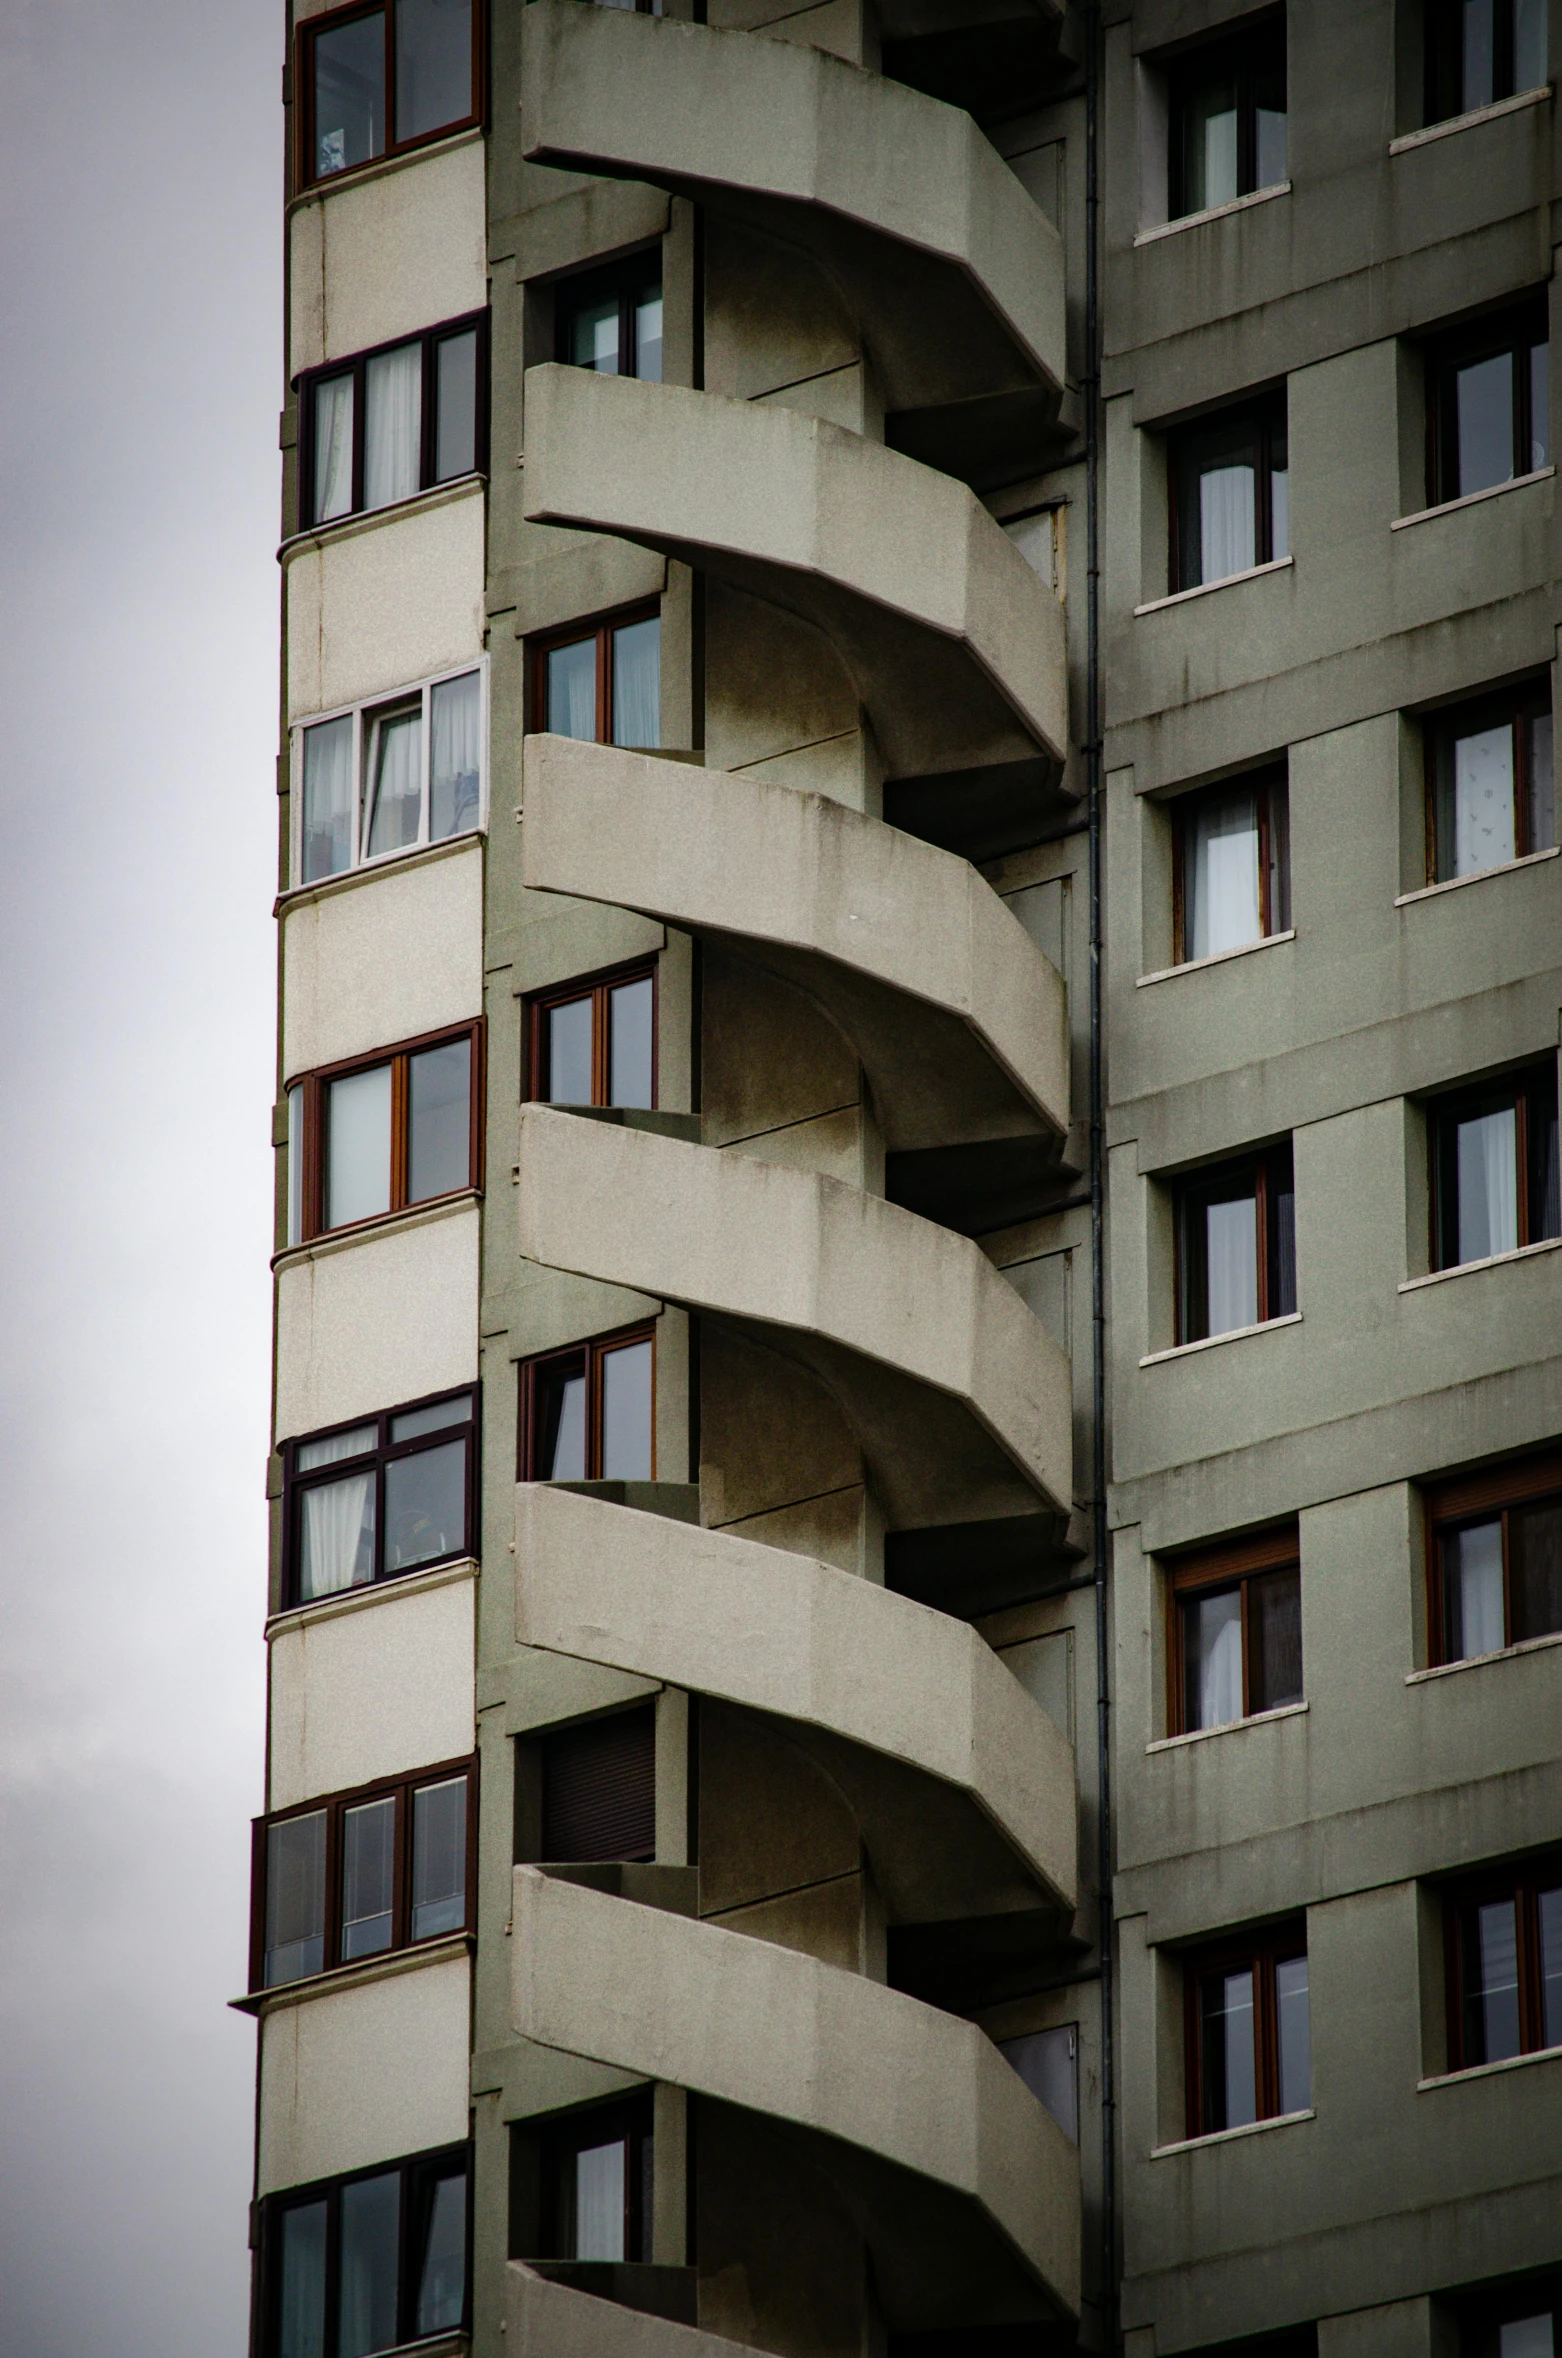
[594, 1042]
[1249, 2036]
[387, 424]
[360, 1874]
[1494, 1557]
[1488, 403]
[1236, 1245]
[1478, 51]
[1490, 792]
[374, 81]
[377, 1134]
[602, 681]
[375, 1500]
[388, 776]
[598, 1788]
[596, 2183]
[1230, 492]
[1504, 1964]
[588, 1414]
[1228, 119]
[1519, 2319]
[611, 320]
[1235, 1630]
[1494, 1167]
[1232, 864]
[369, 2261]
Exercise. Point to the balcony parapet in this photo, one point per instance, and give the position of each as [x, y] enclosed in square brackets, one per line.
[546, 2318]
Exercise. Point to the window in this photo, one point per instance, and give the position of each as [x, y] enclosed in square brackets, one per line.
[587, 1413]
[380, 1498]
[1488, 408]
[380, 79]
[599, 1788]
[1048, 2062]
[1494, 1169]
[395, 422]
[1249, 2038]
[368, 2262]
[1505, 1965]
[1236, 1631]
[361, 1874]
[597, 2183]
[374, 1137]
[1236, 1246]
[603, 683]
[1228, 120]
[1489, 780]
[1511, 2321]
[1230, 494]
[595, 1043]
[387, 777]
[1232, 865]
[1478, 51]
[1495, 1557]
[611, 320]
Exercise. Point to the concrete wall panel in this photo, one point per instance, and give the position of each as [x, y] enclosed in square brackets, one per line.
[388, 1317]
[392, 956]
[371, 1687]
[387, 601]
[387, 256]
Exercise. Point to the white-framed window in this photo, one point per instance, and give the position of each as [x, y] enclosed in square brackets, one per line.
[390, 775]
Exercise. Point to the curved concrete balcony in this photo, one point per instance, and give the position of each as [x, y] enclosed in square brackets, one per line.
[954, 273]
[544, 2319]
[959, 1395]
[956, 646]
[960, 1020]
[963, 1786]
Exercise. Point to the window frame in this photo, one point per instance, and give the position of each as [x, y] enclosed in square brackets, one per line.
[1260, 1952]
[1189, 1189]
[1523, 1885]
[362, 715]
[574, 634]
[356, 365]
[1488, 1494]
[1482, 2308]
[306, 35]
[415, 2170]
[571, 2133]
[1516, 328]
[1248, 53]
[315, 1083]
[1443, 58]
[1232, 1563]
[1272, 785]
[384, 1452]
[1262, 413]
[593, 1349]
[598, 987]
[1524, 1088]
[401, 1789]
[1526, 702]
[623, 277]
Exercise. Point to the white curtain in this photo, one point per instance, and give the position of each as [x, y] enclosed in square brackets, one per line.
[599, 2202]
[1488, 1184]
[1280, 512]
[328, 798]
[1483, 799]
[637, 683]
[1231, 1249]
[358, 1146]
[1218, 1640]
[1478, 1590]
[1221, 875]
[333, 448]
[1220, 157]
[442, 2286]
[1237, 2027]
[396, 782]
[455, 756]
[393, 426]
[626, 1414]
[1295, 2035]
[1226, 521]
[338, 1521]
[572, 690]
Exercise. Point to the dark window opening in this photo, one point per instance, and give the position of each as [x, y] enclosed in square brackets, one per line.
[1232, 865]
[1230, 493]
[1235, 1631]
[369, 2262]
[1480, 51]
[1249, 2037]
[1228, 120]
[376, 80]
[1236, 1246]
[383, 427]
[595, 1043]
[1504, 1965]
[1488, 408]
[599, 1788]
[376, 1137]
[596, 2185]
[1491, 796]
[381, 1498]
[602, 684]
[588, 1414]
[1494, 1169]
[611, 320]
[1495, 1557]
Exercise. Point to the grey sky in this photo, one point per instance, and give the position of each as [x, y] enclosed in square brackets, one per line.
[139, 357]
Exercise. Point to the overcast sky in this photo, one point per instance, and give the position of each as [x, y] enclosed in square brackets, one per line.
[139, 365]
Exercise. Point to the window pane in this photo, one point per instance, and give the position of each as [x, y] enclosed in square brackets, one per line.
[1271, 146]
[1472, 1591]
[442, 2273]
[1230, 2081]
[1483, 399]
[439, 1858]
[1479, 52]
[1481, 828]
[1282, 1266]
[349, 94]
[626, 1414]
[368, 1877]
[629, 1009]
[1212, 1659]
[1544, 1177]
[1274, 1605]
[1542, 786]
[455, 412]
[567, 1035]
[1279, 511]
[395, 781]
[1231, 1261]
[648, 334]
[1539, 404]
[1295, 2035]
[358, 1146]
[301, 2325]
[333, 448]
[1491, 1985]
[1226, 521]
[593, 336]
[336, 1530]
[393, 425]
[1220, 873]
[1047, 2061]
[572, 690]
[328, 799]
[600, 2177]
[371, 2236]
[425, 1506]
[1529, 71]
[413, 1423]
[439, 1120]
[1526, 2337]
[562, 1457]
[1549, 1911]
[433, 65]
[332, 1448]
[1535, 1537]
[455, 755]
[295, 1899]
[1212, 146]
[1487, 1157]
[637, 683]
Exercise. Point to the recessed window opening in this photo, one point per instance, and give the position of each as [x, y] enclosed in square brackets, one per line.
[597, 2175]
[386, 1496]
[379, 429]
[1230, 493]
[376, 80]
[611, 320]
[1248, 2029]
[1494, 1168]
[603, 683]
[1491, 795]
[1488, 403]
[1513, 2320]
[1235, 1631]
[1505, 1965]
[599, 1788]
[1480, 51]
[367, 2263]
[588, 1413]
[1228, 120]
[1236, 1245]
[1232, 865]
[389, 777]
[358, 1875]
[372, 1138]
[595, 1044]
[1495, 1557]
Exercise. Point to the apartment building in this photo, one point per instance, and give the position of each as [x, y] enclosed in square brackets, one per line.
[916, 1618]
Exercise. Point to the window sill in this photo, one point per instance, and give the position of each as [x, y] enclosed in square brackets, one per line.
[380, 167]
[1203, 589]
[1536, 1645]
[420, 855]
[384, 1223]
[1234, 1334]
[438, 495]
[1228, 1727]
[1267, 941]
[1427, 892]
[373, 1592]
[1241, 204]
[1413, 1285]
[1279, 2120]
[260, 2003]
[1471, 499]
[1486, 2071]
[1478, 114]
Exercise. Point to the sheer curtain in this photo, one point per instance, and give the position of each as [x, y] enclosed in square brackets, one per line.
[637, 683]
[599, 2202]
[338, 1536]
[1232, 1261]
[1483, 799]
[1488, 1184]
[393, 425]
[1220, 874]
[1215, 1671]
[572, 690]
[455, 757]
[1227, 518]
[1474, 1557]
[442, 2280]
[328, 798]
[396, 782]
[333, 448]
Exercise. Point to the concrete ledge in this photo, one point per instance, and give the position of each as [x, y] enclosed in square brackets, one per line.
[545, 2320]
[974, 1038]
[956, 645]
[782, 1633]
[777, 2032]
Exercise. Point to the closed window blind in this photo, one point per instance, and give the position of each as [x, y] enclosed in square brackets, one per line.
[599, 1789]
